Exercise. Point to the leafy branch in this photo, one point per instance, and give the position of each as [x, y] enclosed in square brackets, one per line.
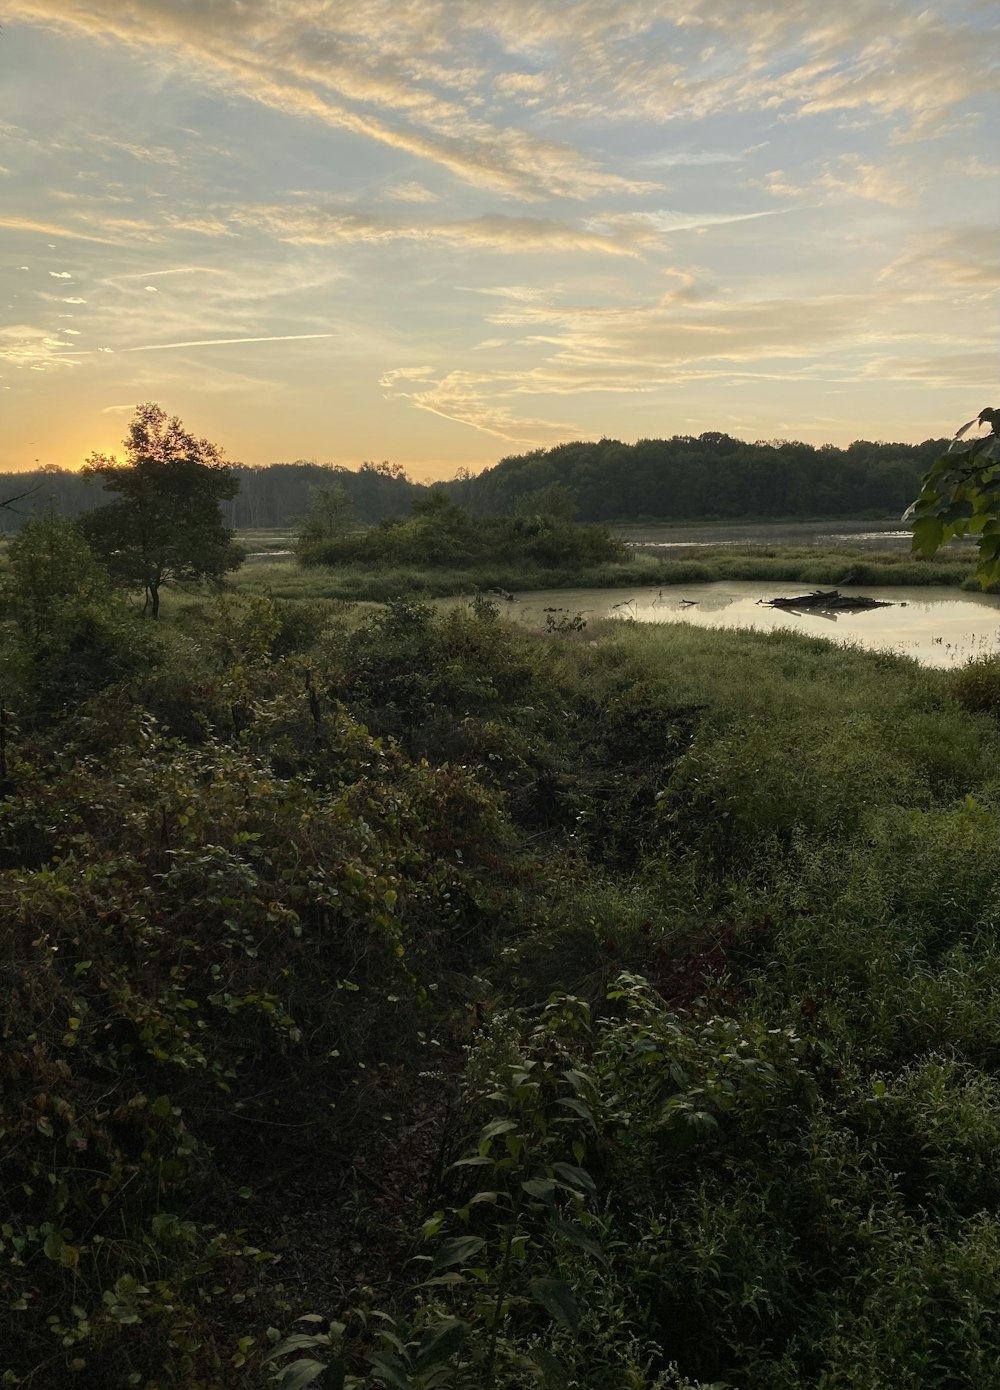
[961, 495]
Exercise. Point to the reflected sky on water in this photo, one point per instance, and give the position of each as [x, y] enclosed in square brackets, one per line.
[938, 626]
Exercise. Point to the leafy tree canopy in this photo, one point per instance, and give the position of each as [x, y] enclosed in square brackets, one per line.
[167, 523]
[961, 495]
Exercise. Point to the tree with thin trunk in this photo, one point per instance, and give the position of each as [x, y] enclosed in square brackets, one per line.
[167, 523]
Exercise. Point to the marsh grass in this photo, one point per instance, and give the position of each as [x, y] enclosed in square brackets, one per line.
[704, 565]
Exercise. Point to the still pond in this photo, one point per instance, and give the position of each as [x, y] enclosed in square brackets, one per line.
[936, 626]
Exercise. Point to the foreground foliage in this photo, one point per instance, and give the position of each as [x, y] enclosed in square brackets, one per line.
[690, 936]
[961, 495]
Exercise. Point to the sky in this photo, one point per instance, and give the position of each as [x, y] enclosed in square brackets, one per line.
[441, 232]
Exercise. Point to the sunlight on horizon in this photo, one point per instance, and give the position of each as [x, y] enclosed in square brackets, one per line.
[441, 237]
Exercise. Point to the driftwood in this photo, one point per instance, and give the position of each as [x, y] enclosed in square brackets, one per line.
[830, 600]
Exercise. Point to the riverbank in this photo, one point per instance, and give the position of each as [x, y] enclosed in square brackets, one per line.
[806, 565]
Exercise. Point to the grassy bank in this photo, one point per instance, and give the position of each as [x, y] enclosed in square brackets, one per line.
[806, 565]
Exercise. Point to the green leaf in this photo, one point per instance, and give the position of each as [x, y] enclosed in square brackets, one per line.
[539, 1187]
[440, 1343]
[580, 1107]
[456, 1251]
[298, 1341]
[391, 1369]
[494, 1128]
[575, 1235]
[928, 534]
[161, 1107]
[576, 1177]
[300, 1373]
[554, 1376]
[336, 1375]
[558, 1299]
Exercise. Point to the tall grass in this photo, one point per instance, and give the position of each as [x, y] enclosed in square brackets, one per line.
[705, 565]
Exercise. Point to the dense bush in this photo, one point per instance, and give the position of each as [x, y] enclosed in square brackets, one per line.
[442, 536]
[714, 915]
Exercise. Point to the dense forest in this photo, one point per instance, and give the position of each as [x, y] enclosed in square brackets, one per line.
[669, 479]
[275, 495]
[709, 476]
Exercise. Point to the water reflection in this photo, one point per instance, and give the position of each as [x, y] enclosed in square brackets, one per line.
[938, 626]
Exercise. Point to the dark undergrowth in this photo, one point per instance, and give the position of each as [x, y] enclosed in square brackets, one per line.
[396, 998]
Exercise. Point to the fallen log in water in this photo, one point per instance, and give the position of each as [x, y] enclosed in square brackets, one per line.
[828, 600]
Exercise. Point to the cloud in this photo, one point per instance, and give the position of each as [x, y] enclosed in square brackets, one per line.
[846, 177]
[411, 192]
[493, 232]
[523, 83]
[406, 374]
[964, 371]
[674, 159]
[470, 399]
[146, 154]
[169, 270]
[522, 294]
[972, 167]
[956, 259]
[32, 224]
[686, 336]
[340, 66]
[202, 224]
[26, 345]
[667, 221]
[217, 342]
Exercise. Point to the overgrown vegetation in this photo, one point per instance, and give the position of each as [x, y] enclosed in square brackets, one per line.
[390, 997]
[630, 994]
[766, 564]
[442, 537]
[961, 496]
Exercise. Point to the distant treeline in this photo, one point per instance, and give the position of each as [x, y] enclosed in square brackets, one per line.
[272, 495]
[712, 475]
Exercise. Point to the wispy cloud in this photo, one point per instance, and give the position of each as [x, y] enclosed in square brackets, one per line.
[665, 221]
[310, 64]
[42, 228]
[847, 177]
[471, 399]
[496, 232]
[411, 192]
[957, 258]
[686, 336]
[215, 342]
